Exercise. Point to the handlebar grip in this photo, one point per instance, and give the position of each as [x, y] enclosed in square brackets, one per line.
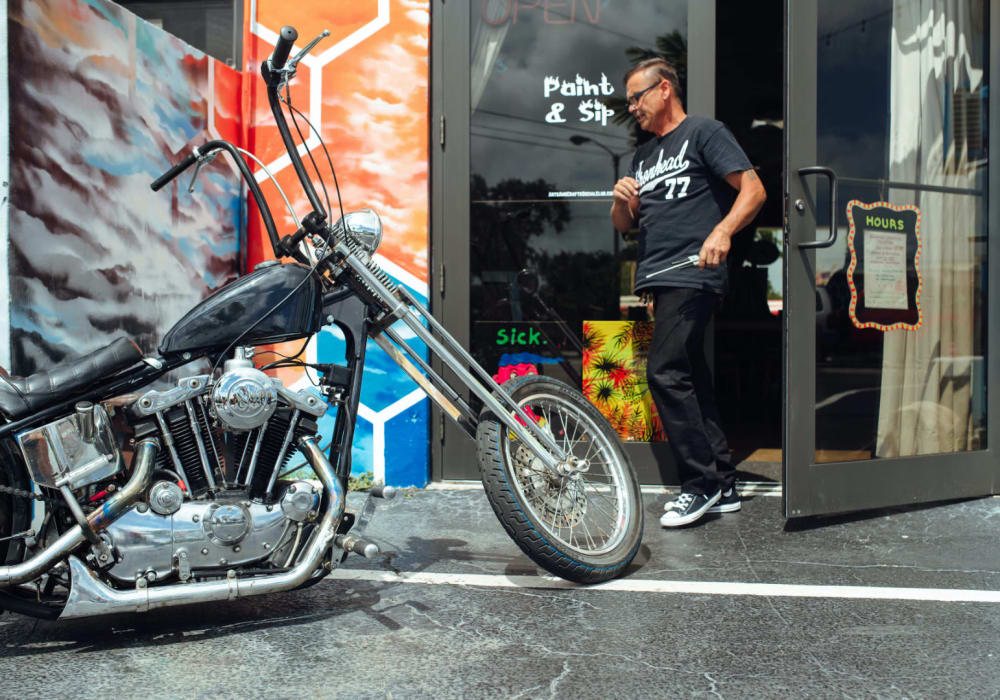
[173, 172]
[283, 47]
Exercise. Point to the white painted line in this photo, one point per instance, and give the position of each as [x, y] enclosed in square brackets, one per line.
[777, 590]
[753, 488]
[359, 35]
[378, 451]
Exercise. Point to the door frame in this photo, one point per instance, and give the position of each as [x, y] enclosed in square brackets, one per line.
[453, 455]
[810, 488]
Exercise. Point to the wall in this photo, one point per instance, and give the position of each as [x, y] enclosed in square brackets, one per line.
[366, 88]
[101, 103]
[4, 194]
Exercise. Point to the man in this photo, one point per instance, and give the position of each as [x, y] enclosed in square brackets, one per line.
[679, 189]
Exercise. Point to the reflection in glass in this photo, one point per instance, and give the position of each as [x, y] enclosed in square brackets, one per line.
[549, 132]
[892, 393]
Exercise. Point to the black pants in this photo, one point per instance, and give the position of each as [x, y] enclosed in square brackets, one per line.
[681, 385]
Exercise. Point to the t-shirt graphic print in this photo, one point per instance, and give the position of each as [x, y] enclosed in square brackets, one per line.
[683, 194]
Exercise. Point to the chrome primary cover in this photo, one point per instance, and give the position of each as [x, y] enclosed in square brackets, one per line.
[244, 398]
[228, 532]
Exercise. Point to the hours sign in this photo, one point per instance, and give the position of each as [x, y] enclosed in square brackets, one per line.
[884, 272]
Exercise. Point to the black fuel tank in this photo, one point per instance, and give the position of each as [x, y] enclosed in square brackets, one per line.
[221, 318]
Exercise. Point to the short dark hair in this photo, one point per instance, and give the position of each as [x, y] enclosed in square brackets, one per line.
[663, 68]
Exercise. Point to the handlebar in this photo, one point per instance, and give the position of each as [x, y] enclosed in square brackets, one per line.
[174, 171]
[283, 47]
[274, 77]
[207, 149]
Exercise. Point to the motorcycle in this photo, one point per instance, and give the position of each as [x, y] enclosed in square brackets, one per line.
[116, 497]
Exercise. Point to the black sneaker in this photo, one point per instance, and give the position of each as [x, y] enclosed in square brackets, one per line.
[687, 508]
[729, 502]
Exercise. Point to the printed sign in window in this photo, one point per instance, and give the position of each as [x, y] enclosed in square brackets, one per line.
[884, 273]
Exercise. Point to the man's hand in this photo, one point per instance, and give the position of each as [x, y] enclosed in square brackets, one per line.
[627, 192]
[749, 199]
[625, 204]
[715, 249]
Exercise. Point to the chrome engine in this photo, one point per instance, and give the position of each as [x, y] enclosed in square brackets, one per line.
[237, 432]
[215, 502]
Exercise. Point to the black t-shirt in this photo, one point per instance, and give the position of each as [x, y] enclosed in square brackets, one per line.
[683, 194]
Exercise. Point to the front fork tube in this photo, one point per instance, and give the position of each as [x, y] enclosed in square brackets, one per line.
[401, 305]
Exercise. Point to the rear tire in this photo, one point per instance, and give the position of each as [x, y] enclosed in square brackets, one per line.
[586, 527]
[15, 511]
[15, 516]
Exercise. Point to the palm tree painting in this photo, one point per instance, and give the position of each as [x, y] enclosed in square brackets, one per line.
[614, 377]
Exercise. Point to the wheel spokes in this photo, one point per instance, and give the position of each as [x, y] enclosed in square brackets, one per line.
[584, 510]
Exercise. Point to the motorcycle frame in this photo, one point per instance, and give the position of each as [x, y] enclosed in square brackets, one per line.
[386, 303]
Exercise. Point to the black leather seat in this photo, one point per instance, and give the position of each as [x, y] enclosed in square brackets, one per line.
[20, 396]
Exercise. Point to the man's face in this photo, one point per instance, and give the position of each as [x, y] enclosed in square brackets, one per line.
[645, 97]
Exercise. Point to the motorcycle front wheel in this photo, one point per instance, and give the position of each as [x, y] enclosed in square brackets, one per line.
[585, 527]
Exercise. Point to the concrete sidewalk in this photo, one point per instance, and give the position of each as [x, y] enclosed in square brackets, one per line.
[453, 609]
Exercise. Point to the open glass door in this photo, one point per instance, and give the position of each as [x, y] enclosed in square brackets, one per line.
[887, 276]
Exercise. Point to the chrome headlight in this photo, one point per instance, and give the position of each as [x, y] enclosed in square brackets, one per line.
[364, 226]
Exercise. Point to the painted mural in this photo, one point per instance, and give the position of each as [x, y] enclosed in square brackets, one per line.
[614, 377]
[101, 103]
[366, 89]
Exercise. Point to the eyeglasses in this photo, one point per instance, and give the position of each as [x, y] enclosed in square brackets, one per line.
[633, 101]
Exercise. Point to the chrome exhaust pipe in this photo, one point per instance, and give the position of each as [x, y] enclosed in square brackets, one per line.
[113, 508]
[90, 596]
[142, 472]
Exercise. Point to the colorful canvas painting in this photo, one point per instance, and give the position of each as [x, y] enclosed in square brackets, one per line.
[614, 377]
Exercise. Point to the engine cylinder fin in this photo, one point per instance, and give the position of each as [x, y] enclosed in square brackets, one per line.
[210, 438]
[270, 445]
[280, 460]
[196, 432]
[271, 448]
[169, 458]
[186, 447]
[261, 433]
[239, 449]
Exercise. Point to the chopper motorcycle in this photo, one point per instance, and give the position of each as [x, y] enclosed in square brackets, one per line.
[118, 497]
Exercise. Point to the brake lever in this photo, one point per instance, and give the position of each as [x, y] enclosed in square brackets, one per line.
[202, 160]
[290, 66]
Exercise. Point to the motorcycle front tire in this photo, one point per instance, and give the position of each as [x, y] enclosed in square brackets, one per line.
[547, 515]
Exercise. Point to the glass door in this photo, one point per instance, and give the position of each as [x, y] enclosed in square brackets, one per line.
[887, 322]
[530, 274]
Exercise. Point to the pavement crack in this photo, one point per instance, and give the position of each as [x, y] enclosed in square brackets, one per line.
[753, 572]
[559, 598]
[524, 692]
[713, 688]
[437, 623]
[554, 683]
[557, 652]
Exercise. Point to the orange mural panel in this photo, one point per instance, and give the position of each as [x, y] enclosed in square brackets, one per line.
[263, 137]
[310, 18]
[228, 86]
[373, 101]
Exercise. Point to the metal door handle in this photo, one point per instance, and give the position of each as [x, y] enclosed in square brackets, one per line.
[832, 176]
